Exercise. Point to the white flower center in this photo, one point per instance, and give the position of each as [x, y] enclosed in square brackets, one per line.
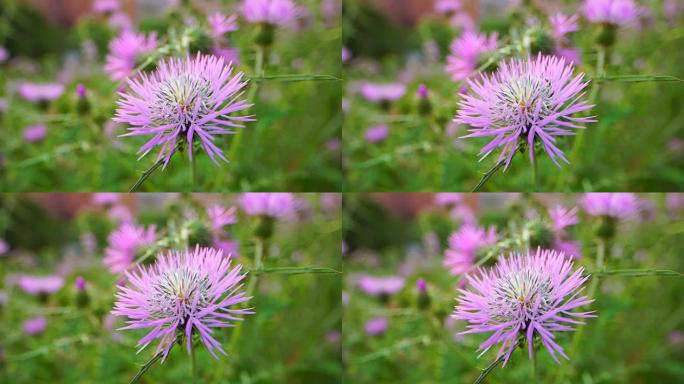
[176, 290]
[517, 294]
[522, 100]
[176, 99]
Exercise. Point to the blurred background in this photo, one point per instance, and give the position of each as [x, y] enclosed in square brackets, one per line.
[55, 330]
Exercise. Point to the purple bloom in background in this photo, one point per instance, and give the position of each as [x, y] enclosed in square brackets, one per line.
[221, 24]
[120, 21]
[106, 6]
[464, 245]
[561, 25]
[346, 54]
[35, 325]
[379, 93]
[616, 12]
[421, 285]
[466, 51]
[124, 242]
[125, 51]
[35, 133]
[184, 99]
[80, 283]
[183, 293]
[4, 54]
[523, 102]
[562, 217]
[105, 198]
[220, 217]
[4, 247]
[376, 134]
[81, 91]
[273, 12]
[35, 92]
[278, 205]
[616, 205]
[40, 285]
[229, 54]
[448, 6]
[377, 286]
[524, 296]
[229, 247]
[376, 327]
[448, 198]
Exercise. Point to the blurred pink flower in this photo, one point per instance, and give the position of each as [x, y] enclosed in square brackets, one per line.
[80, 283]
[36, 285]
[221, 24]
[220, 216]
[464, 245]
[124, 242]
[35, 133]
[229, 54]
[4, 247]
[229, 247]
[466, 51]
[278, 205]
[125, 51]
[448, 198]
[105, 198]
[106, 6]
[617, 205]
[376, 133]
[376, 286]
[274, 12]
[562, 24]
[562, 217]
[35, 325]
[35, 92]
[4, 55]
[120, 21]
[376, 327]
[617, 12]
[382, 92]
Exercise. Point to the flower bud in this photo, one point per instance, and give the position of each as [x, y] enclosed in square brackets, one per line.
[424, 105]
[82, 105]
[423, 296]
[82, 297]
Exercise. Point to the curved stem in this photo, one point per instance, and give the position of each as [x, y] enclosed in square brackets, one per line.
[193, 363]
[193, 168]
[535, 174]
[485, 372]
[146, 175]
[535, 367]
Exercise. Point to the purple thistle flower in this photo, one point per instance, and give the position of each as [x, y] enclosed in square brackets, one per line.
[184, 100]
[220, 217]
[376, 134]
[273, 12]
[448, 198]
[35, 92]
[4, 54]
[80, 283]
[379, 93]
[421, 285]
[562, 218]
[377, 286]
[525, 101]
[124, 242]
[106, 6]
[562, 24]
[524, 296]
[376, 327]
[278, 205]
[221, 24]
[35, 133]
[125, 51]
[423, 91]
[464, 245]
[81, 91]
[183, 293]
[35, 325]
[616, 205]
[616, 12]
[40, 285]
[4, 247]
[105, 198]
[448, 6]
[466, 51]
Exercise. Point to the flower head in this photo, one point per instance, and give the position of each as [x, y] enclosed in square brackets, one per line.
[616, 12]
[35, 92]
[378, 286]
[40, 285]
[376, 133]
[562, 24]
[184, 100]
[615, 205]
[35, 133]
[464, 245]
[106, 6]
[562, 217]
[466, 51]
[35, 325]
[376, 326]
[524, 296]
[378, 93]
[273, 12]
[123, 244]
[125, 51]
[221, 24]
[525, 101]
[183, 293]
[277, 205]
[220, 217]
[448, 6]
[105, 198]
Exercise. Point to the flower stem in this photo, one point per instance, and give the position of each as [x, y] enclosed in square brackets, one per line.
[535, 174]
[193, 168]
[535, 367]
[485, 372]
[193, 362]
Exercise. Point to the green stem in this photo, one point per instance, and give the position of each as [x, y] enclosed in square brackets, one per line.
[485, 372]
[488, 175]
[251, 97]
[146, 175]
[193, 168]
[535, 367]
[193, 362]
[535, 174]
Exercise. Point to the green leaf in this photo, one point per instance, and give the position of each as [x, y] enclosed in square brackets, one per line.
[293, 270]
[636, 78]
[293, 78]
[637, 272]
[387, 351]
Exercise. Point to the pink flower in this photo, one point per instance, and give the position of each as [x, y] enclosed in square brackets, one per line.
[124, 243]
[220, 217]
[562, 24]
[616, 205]
[4, 54]
[524, 296]
[378, 93]
[448, 6]
[105, 198]
[37, 285]
[277, 205]
[106, 6]
[617, 12]
[562, 217]
[448, 198]
[464, 245]
[221, 24]
[377, 286]
[525, 102]
[125, 51]
[274, 12]
[35, 326]
[35, 133]
[183, 294]
[376, 327]
[466, 51]
[376, 133]
[4, 247]
[35, 92]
